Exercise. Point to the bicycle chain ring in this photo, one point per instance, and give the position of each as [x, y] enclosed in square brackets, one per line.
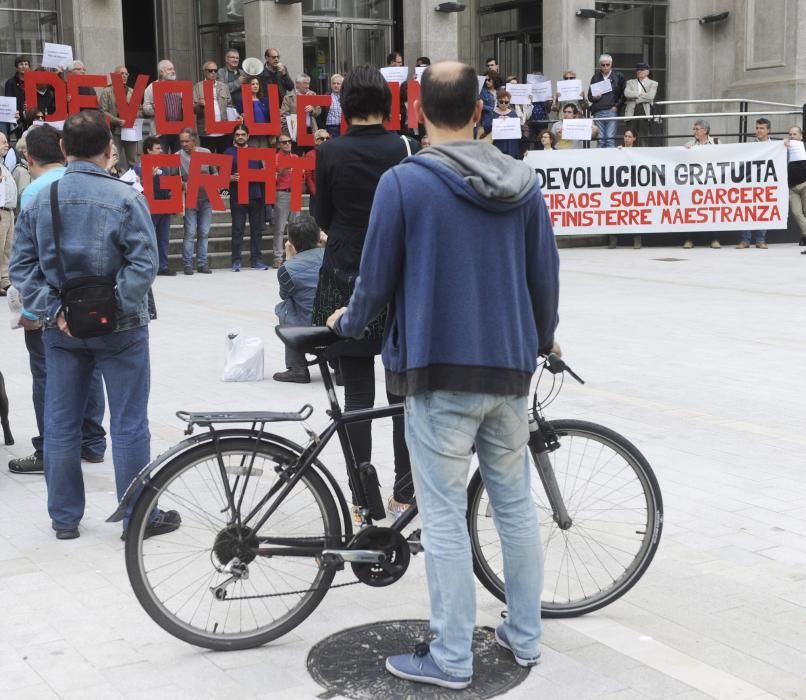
[391, 543]
[235, 541]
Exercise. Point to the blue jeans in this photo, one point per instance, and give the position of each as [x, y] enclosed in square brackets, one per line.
[282, 215]
[607, 129]
[93, 435]
[441, 429]
[256, 211]
[124, 362]
[197, 227]
[761, 236]
[162, 225]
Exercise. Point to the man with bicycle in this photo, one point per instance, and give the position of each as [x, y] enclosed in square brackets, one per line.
[466, 322]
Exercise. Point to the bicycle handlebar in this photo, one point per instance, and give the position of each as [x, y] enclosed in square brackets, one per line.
[556, 365]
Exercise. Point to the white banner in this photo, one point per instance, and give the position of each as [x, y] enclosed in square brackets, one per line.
[395, 74]
[506, 128]
[521, 93]
[731, 187]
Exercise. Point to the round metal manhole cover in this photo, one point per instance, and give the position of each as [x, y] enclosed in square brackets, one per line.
[351, 664]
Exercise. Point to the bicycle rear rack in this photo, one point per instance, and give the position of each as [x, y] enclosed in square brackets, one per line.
[207, 420]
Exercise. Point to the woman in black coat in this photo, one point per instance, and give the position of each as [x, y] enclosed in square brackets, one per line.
[347, 172]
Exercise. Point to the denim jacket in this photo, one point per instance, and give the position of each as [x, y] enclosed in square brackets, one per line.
[106, 230]
[299, 277]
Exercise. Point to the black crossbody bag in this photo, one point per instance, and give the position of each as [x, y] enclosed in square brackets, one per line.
[89, 303]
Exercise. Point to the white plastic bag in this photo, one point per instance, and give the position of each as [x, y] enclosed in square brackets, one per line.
[243, 361]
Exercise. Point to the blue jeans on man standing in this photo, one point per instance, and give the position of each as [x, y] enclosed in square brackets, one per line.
[607, 129]
[256, 213]
[124, 362]
[761, 236]
[162, 226]
[441, 429]
[197, 228]
[93, 435]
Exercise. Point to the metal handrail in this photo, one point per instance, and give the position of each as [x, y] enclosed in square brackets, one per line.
[728, 99]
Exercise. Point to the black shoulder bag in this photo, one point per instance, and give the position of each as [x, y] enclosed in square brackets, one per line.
[89, 303]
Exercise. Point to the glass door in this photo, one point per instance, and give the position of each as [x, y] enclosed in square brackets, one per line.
[318, 54]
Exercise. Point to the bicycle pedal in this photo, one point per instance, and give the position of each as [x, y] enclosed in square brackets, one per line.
[415, 542]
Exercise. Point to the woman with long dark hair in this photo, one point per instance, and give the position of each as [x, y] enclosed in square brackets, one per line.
[347, 173]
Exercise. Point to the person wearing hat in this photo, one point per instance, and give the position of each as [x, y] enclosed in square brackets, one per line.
[639, 93]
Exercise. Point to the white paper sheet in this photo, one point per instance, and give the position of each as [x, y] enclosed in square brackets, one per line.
[395, 74]
[135, 133]
[601, 88]
[56, 55]
[541, 92]
[291, 120]
[418, 72]
[521, 93]
[577, 129]
[570, 90]
[8, 109]
[129, 176]
[482, 79]
[506, 128]
[797, 151]
[232, 114]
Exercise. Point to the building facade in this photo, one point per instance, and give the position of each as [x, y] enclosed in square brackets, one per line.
[698, 49]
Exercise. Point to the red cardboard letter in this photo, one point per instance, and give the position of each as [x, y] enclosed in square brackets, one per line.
[414, 94]
[128, 109]
[212, 183]
[304, 136]
[34, 79]
[267, 174]
[162, 88]
[297, 166]
[272, 127]
[173, 183]
[79, 101]
[211, 124]
[393, 123]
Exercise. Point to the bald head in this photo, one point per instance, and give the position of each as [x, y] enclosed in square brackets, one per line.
[449, 93]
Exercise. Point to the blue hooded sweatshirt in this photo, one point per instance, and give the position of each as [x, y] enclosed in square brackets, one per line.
[460, 246]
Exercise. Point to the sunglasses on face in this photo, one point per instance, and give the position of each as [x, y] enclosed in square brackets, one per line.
[503, 102]
[284, 143]
[210, 70]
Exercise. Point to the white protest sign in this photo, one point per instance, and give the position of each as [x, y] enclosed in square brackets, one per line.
[541, 92]
[521, 93]
[395, 74]
[577, 129]
[135, 133]
[658, 190]
[8, 109]
[56, 55]
[59, 126]
[570, 90]
[291, 121]
[601, 88]
[129, 177]
[797, 151]
[506, 128]
[418, 72]
[482, 80]
[232, 114]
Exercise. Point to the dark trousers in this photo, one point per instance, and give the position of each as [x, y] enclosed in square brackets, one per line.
[162, 225]
[333, 129]
[359, 392]
[256, 212]
[93, 435]
[216, 144]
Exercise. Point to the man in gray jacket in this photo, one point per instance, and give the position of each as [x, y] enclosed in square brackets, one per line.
[99, 213]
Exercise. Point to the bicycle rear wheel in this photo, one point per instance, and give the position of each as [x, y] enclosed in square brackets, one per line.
[615, 504]
[175, 575]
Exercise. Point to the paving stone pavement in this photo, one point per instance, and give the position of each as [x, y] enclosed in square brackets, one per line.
[696, 360]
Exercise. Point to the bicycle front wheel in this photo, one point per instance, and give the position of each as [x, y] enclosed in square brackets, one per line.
[615, 505]
[206, 583]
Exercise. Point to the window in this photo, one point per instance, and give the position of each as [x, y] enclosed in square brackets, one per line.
[23, 31]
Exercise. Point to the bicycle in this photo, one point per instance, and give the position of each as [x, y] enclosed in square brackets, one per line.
[266, 526]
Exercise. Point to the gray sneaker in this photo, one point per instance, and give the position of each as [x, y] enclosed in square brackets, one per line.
[32, 464]
[502, 641]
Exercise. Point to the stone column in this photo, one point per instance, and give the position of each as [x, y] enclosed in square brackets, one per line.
[568, 40]
[277, 26]
[429, 33]
[94, 28]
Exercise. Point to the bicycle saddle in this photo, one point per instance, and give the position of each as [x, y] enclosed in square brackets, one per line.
[310, 339]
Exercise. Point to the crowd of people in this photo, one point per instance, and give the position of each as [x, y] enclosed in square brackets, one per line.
[342, 265]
